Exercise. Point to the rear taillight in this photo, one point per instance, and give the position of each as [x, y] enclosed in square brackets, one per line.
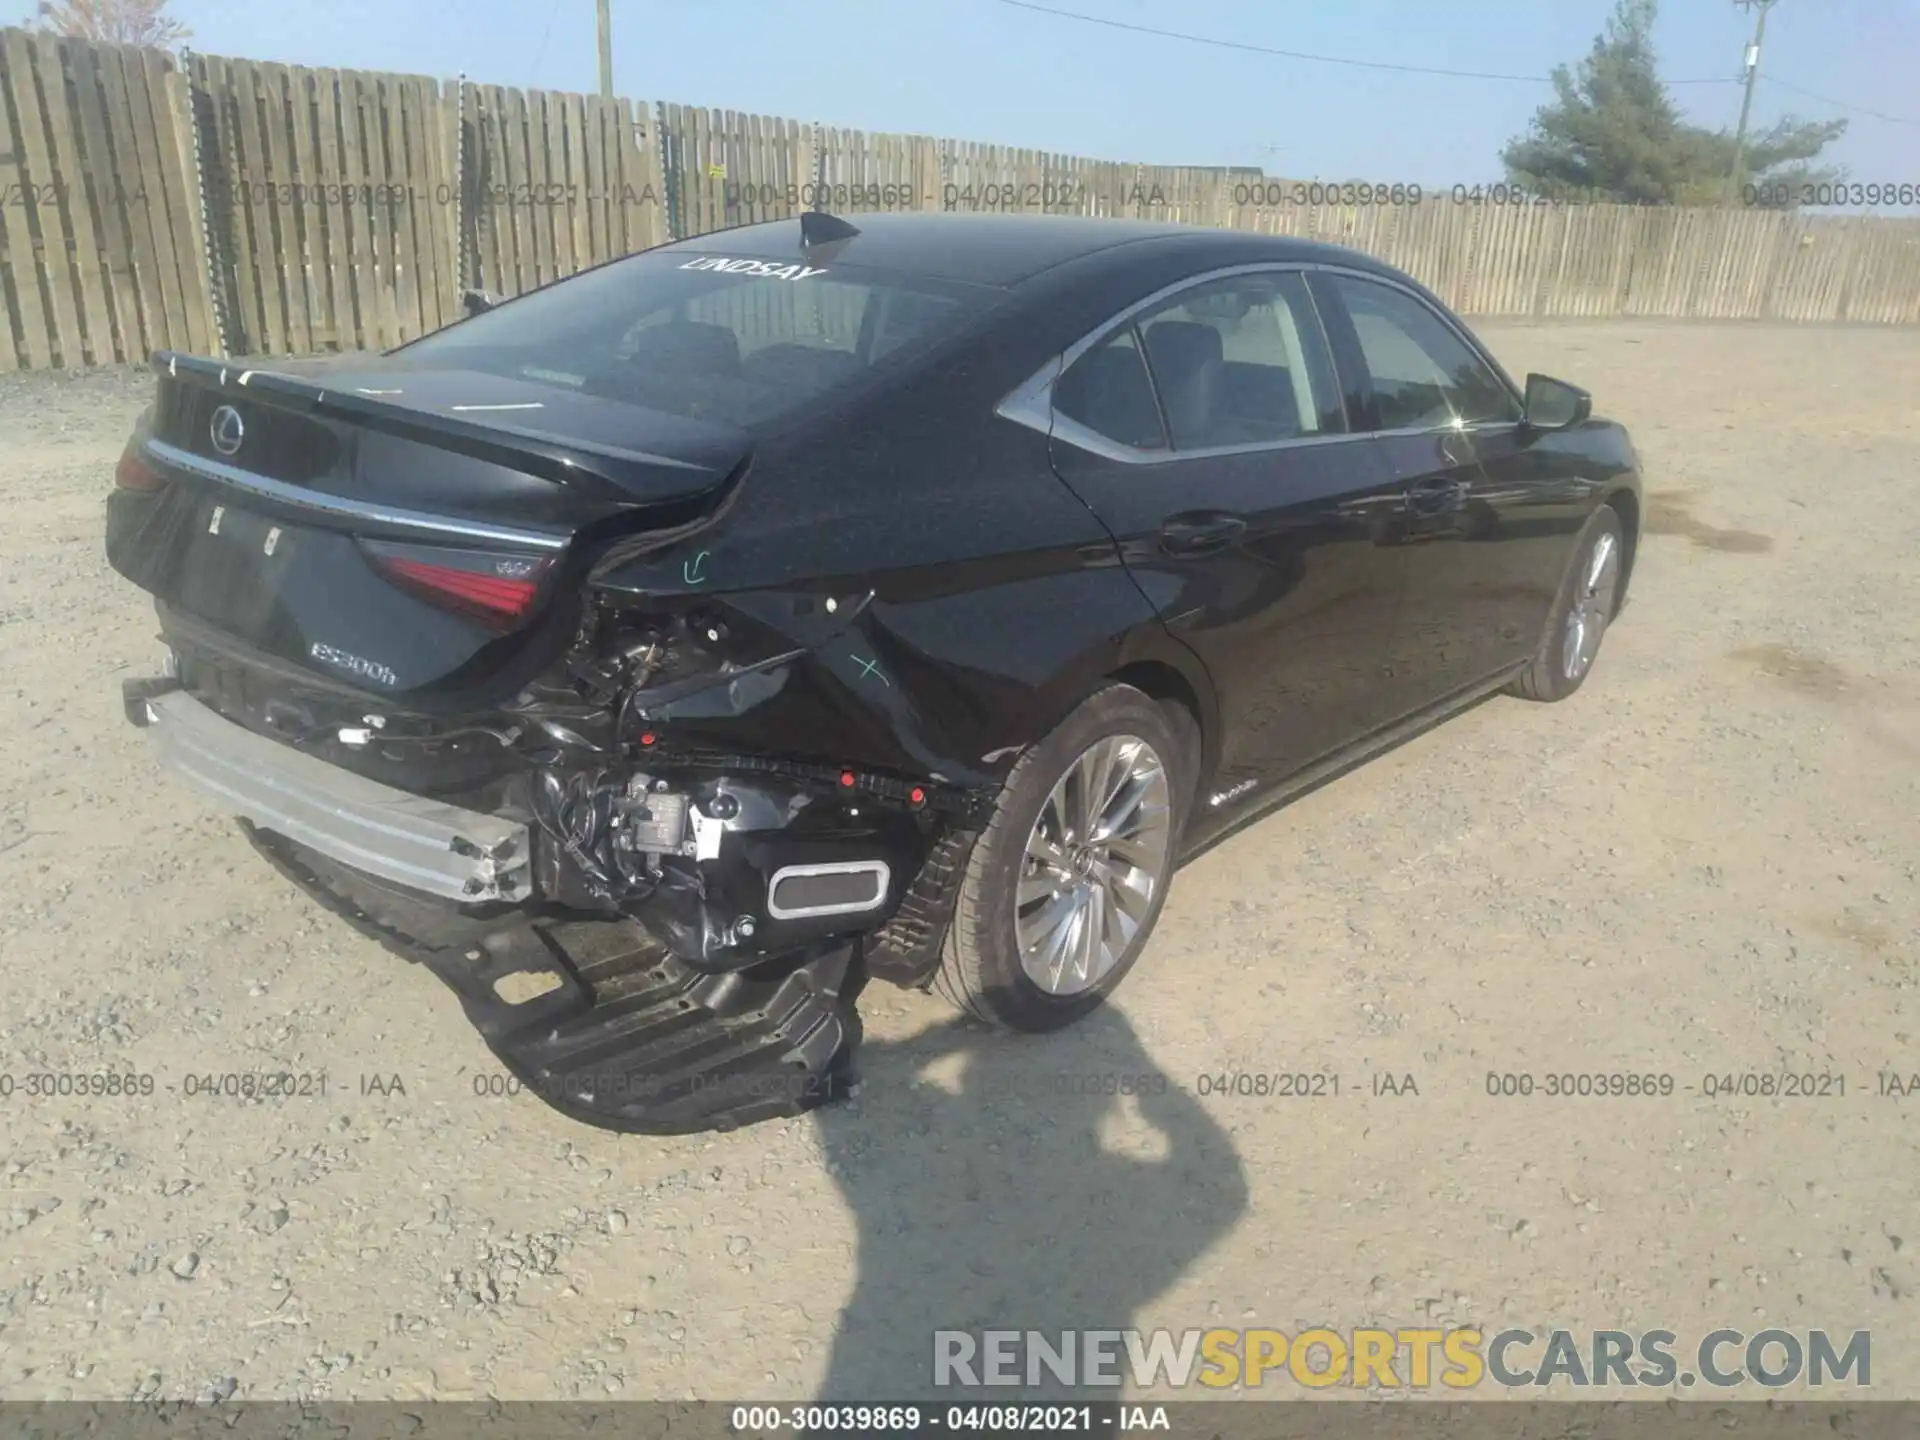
[498, 590]
[133, 472]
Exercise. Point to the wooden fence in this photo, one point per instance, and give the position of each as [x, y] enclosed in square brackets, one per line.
[236, 207]
[103, 260]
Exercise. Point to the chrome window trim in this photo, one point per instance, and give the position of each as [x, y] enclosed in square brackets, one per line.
[1082, 438]
[1031, 402]
[1478, 427]
[304, 499]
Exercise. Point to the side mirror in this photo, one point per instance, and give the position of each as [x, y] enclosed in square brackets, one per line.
[477, 302]
[1555, 405]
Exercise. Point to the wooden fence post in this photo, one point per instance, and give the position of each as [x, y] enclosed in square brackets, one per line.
[190, 141]
[459, 188]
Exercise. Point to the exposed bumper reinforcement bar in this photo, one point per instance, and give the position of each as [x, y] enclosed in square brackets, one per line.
[441, 849]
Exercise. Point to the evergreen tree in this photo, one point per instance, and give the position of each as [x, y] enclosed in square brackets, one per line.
[1613, 131]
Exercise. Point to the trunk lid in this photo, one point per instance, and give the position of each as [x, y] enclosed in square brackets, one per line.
[389, 525]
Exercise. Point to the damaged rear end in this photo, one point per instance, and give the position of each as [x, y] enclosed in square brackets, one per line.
[447, 636]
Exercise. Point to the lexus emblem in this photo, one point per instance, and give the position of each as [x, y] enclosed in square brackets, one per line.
[227, 430]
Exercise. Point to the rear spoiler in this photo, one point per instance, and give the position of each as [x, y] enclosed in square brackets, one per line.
[564, 462]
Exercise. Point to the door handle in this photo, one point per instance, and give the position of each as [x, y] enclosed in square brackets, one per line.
[1200, 532]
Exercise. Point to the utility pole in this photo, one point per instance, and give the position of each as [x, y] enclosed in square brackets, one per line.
[606, 49]
[1746, 99]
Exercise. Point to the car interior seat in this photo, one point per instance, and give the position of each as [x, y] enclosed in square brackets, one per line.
[1189, 363]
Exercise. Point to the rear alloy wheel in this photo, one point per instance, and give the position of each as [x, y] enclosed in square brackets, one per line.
[1064, 885]
[1093, 864]
[1587, 602]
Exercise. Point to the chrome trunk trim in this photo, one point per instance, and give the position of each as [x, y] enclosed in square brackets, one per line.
[344, 507]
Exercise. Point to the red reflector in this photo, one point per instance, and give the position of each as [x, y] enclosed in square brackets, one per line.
[493, 597]
[133, 473]
[647, 738]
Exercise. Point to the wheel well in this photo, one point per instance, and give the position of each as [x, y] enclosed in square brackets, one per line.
[1627, 506]
[1159, 681]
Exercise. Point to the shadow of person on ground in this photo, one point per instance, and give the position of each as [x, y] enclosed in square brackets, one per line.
[997, 1184]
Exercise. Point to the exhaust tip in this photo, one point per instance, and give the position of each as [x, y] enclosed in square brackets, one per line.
[806, 892]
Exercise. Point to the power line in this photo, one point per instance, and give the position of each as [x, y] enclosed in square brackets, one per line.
[1252, 49]
[1842, 104]
[1304, 55]
[541, 53]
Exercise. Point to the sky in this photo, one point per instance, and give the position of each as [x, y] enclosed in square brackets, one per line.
[990, 70]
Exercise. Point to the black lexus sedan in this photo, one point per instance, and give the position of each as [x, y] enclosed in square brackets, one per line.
[662, 654]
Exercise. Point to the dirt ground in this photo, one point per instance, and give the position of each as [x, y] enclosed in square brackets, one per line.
[1703, 864]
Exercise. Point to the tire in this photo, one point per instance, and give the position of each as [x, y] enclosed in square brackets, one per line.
[1592, 592]
[981, 971]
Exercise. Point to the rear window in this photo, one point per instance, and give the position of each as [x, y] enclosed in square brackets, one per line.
[710, 337]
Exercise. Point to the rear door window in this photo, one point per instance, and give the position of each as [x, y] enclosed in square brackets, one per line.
[1241, 361]
[1229, 363]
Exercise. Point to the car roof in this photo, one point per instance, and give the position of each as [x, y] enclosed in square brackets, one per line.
[1003, 250]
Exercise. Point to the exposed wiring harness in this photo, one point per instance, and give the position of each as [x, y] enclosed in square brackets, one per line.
[577, 813]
